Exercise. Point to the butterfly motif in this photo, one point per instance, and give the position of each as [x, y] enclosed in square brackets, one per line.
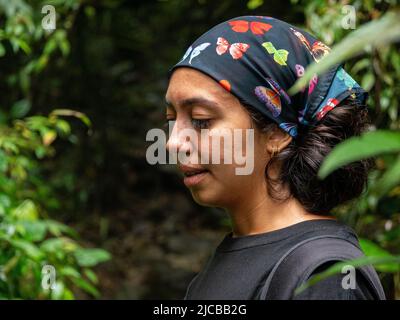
[345, 77]
[255, 26]
[186, 54]
[225, 84]
[236, 49]
[330, 104]
[196, 51]
[302, 38]
[280, 55]
[289, 127]
[317, 50]
[270, 98]
[312, 83]
[300, 72]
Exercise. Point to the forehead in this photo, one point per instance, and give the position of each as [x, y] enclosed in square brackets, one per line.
[188, 82]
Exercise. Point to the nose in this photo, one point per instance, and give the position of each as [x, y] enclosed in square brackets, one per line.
[178, 139]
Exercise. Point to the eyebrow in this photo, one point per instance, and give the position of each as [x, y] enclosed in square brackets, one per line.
[189, 102]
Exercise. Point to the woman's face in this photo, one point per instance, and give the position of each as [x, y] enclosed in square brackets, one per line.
[196, 101]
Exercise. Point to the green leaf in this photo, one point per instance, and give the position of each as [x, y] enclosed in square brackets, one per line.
[57, 229]
[40, 152]
[361, 64]
[33, 230]
[68, 112]
[69, 271]
[48, 136]
[254, 4]
[63, 127]
[23, 45]
[28, 248]
[337, 268]
[91, 276]
[83, 284]
[367, 145]
[20, 109]
[373, 250]
[91, 257]
[27, 210]
[64, 47]
[390, 179]
[2, 50]
[368, 81]
[61, 244]
[50, 46]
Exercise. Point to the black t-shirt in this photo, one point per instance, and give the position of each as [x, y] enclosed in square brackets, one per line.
[239, 266]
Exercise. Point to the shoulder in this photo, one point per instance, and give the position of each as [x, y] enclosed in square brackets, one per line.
[315, 253]
[341, 286]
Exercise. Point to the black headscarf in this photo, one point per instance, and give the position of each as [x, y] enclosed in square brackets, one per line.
[258, 58]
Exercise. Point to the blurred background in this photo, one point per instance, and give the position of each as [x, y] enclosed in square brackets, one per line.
[76, 102]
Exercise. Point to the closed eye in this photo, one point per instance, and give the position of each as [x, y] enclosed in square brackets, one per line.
[197, 123]
[201, 123]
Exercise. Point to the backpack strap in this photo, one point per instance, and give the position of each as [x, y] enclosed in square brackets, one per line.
[299, 262]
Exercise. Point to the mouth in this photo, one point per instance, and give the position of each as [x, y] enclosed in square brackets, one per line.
[192, 178]
[193, 173]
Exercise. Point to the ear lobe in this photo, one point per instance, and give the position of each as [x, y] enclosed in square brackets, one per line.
[278, 140]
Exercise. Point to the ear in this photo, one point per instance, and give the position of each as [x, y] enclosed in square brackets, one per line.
[277, 140]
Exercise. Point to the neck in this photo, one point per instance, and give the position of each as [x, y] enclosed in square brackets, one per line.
[262, 214]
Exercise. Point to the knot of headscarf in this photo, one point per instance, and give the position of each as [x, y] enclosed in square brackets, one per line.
[258, 58]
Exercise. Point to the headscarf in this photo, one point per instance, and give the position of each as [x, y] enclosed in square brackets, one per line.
[258, 58]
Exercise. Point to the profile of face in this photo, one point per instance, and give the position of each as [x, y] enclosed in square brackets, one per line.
[196, 101]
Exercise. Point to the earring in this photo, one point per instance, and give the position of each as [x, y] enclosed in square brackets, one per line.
[274, 151]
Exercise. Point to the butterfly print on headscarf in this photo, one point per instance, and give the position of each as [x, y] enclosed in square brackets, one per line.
[313, 82]
[236, 50]
[317, 50]
[258, 28]
[289, 127]
[344, 76]
[186, 54]
[270, 99]
[280, 55]
[300, 72]
[330, 104]
[196, 51]
[302, 38]
[225, 84]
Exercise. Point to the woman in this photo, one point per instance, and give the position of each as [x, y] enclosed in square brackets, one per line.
[235, 76]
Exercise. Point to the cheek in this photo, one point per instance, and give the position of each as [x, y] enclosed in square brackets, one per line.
[229, 151]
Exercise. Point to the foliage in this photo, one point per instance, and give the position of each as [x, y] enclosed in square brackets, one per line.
[29, 239]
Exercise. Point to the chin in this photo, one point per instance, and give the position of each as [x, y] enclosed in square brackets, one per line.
[205, 198]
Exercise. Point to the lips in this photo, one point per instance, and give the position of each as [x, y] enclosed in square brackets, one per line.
[191, 171]
[193, 175]
[196, 179]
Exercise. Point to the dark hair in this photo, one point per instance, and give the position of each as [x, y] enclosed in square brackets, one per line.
[300, 161]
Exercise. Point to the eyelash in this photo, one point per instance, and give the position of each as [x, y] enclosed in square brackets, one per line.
[197, 123]
[201, 123]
